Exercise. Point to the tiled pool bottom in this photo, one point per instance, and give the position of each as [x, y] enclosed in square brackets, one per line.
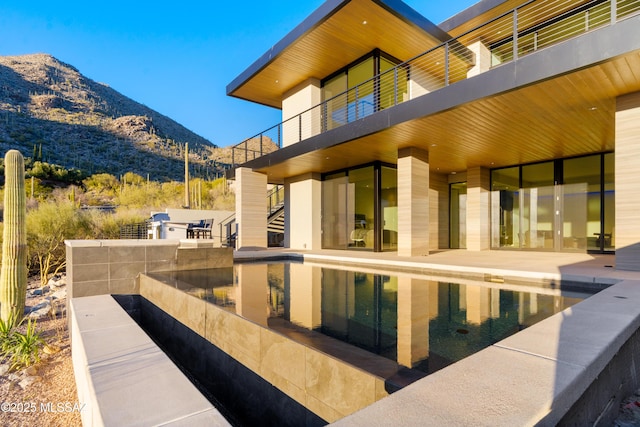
[335, 341]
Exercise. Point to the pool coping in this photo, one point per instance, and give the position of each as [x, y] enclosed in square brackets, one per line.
[124, 378]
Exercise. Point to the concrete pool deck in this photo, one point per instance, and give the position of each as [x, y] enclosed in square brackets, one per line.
[536, 266]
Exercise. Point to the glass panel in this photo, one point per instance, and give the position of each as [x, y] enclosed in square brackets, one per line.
[335, 110]
[360, 208]
[458, 215]
[537, 213]
[335, 224]
[505, 184]
[393, 84]
[389, 207]
[537, 218]
[361, 99]
[581, 228]
[609, 203]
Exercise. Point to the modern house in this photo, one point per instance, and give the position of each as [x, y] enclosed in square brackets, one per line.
[513, 125]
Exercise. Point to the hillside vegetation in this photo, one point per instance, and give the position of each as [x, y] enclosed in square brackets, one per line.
[52, 113]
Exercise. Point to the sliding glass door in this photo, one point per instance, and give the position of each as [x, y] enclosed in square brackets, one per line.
[360, 209]
[565, 204]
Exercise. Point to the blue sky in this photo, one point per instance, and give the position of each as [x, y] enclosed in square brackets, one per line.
[175, 57]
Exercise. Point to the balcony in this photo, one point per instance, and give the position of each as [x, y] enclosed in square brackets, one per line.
[535, 25]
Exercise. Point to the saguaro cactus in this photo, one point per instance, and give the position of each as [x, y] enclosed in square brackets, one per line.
[13, 276]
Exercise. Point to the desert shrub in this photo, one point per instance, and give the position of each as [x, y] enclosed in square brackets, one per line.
[107, 225]
[48, 227]
[24, 347]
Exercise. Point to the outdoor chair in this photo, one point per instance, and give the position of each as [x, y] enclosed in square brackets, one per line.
[204, 228]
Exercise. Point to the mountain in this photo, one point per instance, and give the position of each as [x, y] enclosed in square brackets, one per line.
[51, 112]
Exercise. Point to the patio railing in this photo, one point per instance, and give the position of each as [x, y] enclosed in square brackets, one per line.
[531, 26]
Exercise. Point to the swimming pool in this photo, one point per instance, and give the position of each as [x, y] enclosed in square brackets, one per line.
[419, 323]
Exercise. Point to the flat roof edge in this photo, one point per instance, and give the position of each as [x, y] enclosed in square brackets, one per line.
[317, 17]
[325, 10]
[410, 15]
[469, 13]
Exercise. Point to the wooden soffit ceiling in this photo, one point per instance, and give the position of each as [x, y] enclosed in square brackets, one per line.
[571, 115]
[330, 39]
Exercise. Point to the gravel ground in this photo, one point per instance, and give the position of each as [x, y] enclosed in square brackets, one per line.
[45, 394]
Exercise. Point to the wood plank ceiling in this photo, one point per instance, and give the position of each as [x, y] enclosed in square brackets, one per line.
[322, 50]
[570, 115]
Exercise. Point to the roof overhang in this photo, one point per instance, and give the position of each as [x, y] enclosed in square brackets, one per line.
[334, 35]
[555, 103]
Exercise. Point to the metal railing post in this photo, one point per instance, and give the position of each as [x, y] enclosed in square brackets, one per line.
[233, 156]
[395, 85]
[261, 144]
[299, 127]
[515, 34]
[355, 103]
[446, 64]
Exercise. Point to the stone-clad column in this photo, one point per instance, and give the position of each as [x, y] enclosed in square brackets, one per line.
[478, 204]
[251, 209]
[413, 202]
[627, 182]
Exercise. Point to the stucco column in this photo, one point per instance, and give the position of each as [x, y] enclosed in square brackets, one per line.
[251, 209]
[301, 100]
[627, 177]
[482, 59]
[478, 204]
[303, 208]
[413, 202]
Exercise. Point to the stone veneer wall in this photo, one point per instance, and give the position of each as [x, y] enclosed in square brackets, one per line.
[326, 386]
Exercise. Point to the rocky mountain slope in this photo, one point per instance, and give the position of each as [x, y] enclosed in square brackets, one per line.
[51, 112]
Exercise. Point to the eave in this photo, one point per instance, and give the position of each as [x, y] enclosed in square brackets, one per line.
[330, 38]
[557, 102]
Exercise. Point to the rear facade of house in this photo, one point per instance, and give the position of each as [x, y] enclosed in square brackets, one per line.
[513, 125]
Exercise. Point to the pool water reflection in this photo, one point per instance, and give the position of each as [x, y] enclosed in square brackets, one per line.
[415, 321]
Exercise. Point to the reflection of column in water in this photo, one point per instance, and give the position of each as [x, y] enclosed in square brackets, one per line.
[478, 304]
[495, 303]
[533, 303]
[304, 287]
[413, 320]
[251, 297]
[521, 308]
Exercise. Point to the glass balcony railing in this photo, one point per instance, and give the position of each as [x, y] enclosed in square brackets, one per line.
[531, 26]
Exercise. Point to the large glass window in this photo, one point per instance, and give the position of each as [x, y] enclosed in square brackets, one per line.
[389, 207]
[360, 209]
[458, 215]
[565, 204]
[353, 93]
